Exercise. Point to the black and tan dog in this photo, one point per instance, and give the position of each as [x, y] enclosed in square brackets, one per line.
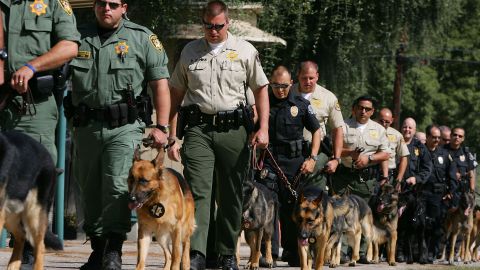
[165, 207]
[352, 218]
[260, 208]
[460, 221]
[385, 219]
[313, 214]
[27, 188]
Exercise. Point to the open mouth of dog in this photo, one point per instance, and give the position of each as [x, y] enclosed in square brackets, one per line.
[136, 201]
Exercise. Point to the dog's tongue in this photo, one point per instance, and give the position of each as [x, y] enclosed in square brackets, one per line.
[380, 207]
[303, 242]
[133, 205]
[400, 211]
[467, 211]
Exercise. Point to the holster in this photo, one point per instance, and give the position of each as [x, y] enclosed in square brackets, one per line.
[439, 188]
[41, 86]
[181, 123]
[145, 108]
[248, 116]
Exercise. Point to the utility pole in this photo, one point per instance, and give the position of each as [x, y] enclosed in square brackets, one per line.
[400, 60]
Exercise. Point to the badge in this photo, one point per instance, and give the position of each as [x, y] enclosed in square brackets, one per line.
[263, 174]
[66, 6]
[84, 54]
[156, 43]
[337, 106]
[317, 103]
[310, 109]
[232, 55]
[294, 111]
[157, 210]
[121, 48]
[440, 160]
[462, 158]
[417, 152]
[392, 138]
[39, 7]
[373, 134]
[312, 240]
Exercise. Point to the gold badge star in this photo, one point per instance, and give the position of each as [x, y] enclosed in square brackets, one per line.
[39, 7]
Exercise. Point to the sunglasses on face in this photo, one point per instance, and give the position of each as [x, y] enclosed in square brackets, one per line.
[361, 108]
[457, 135]
[210, 26]
[103, 4]
[435, 137]
[385, 121]
[279, 85]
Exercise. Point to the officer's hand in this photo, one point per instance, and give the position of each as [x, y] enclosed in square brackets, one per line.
[398, 186]
[411, 180]
[20, 78]
[331, 166]
[260, 139]
[174, 152]
[159, 137]
[361, 162]
[308, 166]
[459, 176]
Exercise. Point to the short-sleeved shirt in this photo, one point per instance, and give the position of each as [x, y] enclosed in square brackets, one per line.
[397, 147]
[32, 30]
[217, 82]
[326, 107]
[373, 138]
[464, 160]
[102, 72]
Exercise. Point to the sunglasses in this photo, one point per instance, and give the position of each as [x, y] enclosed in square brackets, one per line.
[103, 4]
[210, 26]
[457, 135]
[435, 137]
[361, 108]
[279, 85]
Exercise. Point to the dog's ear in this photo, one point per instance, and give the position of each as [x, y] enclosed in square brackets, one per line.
[319, 198]
[159, 159]
[136, 153]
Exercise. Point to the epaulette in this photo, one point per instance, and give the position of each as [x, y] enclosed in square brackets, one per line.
[131, 25]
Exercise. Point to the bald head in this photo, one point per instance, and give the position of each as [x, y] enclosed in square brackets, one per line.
[281, 71]
[281, 82]
[307, 76]
[385, 117]
[409, 128]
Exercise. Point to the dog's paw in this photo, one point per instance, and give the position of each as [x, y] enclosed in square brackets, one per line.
[352, 263]
[392, 263]
[332, 265]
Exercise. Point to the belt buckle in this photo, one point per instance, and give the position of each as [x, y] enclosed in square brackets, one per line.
[214, 120]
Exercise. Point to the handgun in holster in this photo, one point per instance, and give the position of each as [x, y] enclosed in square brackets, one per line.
[247, 111]
[129, 97]
[181, 123]
[145, 108]
[60, 83]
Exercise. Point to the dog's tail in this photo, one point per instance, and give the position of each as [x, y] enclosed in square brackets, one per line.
[52, 241]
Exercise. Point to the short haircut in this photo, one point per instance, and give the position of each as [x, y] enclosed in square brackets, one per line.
[364, 98]
[280, 69]
[429, 128]
[307, 64]
[444, 128]
[215, 8]
[455, 128]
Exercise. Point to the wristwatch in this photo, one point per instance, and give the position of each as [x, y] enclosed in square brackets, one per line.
[314, 157]
[3, 54]
[339, 160]
[165, 129]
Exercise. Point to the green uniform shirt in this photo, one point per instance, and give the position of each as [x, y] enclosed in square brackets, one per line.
[326, 107]
[373, 138]
[217, 82]
[33, 27]
[101, 72]
[397, 147]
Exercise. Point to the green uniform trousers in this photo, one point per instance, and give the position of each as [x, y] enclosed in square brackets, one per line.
[40, 126]
[204, 151]
[101, 162]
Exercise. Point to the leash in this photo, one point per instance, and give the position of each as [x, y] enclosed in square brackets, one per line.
[290, 186]
[149, 141]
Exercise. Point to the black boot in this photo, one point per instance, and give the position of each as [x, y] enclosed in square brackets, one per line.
[95, 260]
[197, 260]
[112, 258]
[27, 257]
[229, 262]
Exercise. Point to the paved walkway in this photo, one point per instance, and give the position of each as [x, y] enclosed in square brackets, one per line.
[76, 253]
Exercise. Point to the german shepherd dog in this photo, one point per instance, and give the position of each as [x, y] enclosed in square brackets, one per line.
[475, 235]
[385, 218]
[412, 223]
[460, 221]
[260, 209]
[313, 214]
[353, 218]
[27, 188]
[165, 207]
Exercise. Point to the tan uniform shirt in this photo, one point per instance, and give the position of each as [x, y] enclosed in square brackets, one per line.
[373, 138]
[326, 107]
[397, 147]
[217, 82]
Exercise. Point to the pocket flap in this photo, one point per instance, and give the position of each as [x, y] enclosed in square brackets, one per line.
[82, 63]
[127, 63]
[42, 25]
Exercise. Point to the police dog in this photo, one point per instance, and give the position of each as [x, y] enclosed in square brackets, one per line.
[385, 219]
[27, 188]
[352, 218]
[475, 235]
[460, 221]
[165, 207]
[313, 214]
[260, 209]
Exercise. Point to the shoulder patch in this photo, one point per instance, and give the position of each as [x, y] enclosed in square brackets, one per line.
[66, 6]
[337, 106]
[155, 42]
[310, 109]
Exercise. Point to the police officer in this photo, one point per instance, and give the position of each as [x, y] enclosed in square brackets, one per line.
[398, 159]
[440, 182]
[211, 79]
[41, 36]
[328, 112]
[116, 60]
[365, 148]
[464, 159]
[417, 173]
[446, 135]
[290, 114]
